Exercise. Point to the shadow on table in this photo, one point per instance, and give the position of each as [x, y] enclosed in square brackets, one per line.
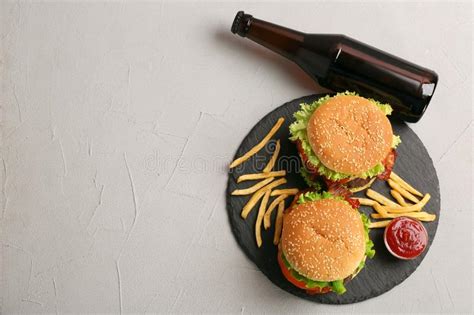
[252, 50]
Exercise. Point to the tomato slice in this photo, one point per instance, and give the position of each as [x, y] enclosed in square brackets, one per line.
[286, 272]
[299, 284]
[312, 169]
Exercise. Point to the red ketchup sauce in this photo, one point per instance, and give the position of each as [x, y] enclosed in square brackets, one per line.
[405, 238]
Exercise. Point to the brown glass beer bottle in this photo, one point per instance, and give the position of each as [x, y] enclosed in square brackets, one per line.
[341, 63]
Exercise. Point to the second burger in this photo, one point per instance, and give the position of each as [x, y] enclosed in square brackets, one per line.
[324, 243]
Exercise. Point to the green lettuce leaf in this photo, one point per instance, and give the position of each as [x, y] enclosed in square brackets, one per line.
[385, 108]
[396, 141]
[369, 245]
[307, 178]
[313, 196]
[360, 267]
[298, 132]
[338, 286]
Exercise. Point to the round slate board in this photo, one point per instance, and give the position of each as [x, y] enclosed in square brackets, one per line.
[381, 273]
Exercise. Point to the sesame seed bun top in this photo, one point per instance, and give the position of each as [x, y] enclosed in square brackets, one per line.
[349, 134]
[323, 240]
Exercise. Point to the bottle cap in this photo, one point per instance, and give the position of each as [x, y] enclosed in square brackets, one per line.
[241, 23]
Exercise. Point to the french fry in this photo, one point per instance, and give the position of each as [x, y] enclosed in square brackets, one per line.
[380, 209]
[259, 145]
[380, 198]
[422, 216]
[258, 222]
[278, 223]
[259, 194]
[372, 203]
[379, 224]
[273, 159]
[260, 176]
[252, 189]
[412, 208]
[366, 201]
[402, 191]
[271, 207]
[399, 198]
[288, 191]
[404, 184]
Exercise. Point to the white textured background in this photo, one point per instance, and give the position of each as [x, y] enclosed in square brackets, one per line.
[118, 120]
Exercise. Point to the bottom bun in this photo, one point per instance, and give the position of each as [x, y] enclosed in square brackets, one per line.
[318, 290]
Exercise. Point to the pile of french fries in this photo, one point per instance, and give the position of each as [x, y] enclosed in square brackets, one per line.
[407, 203]
[265, 188]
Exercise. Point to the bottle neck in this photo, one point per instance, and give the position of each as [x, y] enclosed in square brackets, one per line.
[279, 39]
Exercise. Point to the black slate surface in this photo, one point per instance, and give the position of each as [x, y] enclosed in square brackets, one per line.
[381, 273]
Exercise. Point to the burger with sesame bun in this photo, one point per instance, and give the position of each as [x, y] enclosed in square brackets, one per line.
[344, 140]
[324, 243]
